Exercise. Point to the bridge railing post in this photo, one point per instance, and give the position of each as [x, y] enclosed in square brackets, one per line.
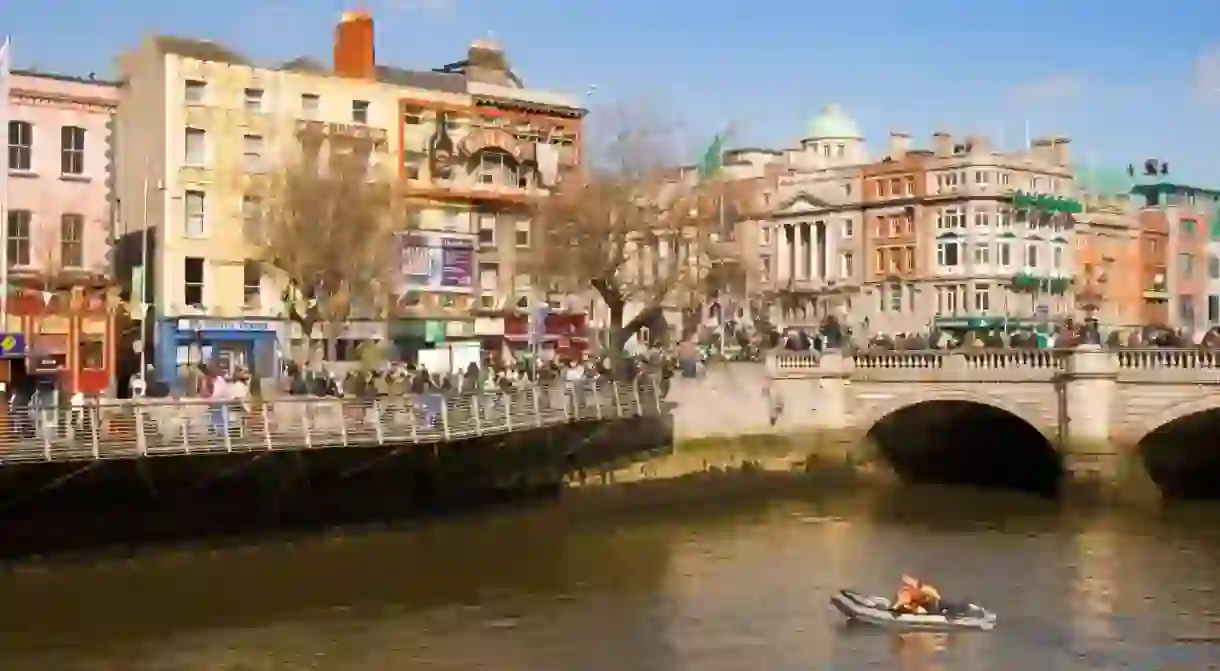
[445, 417]
[618, 402]
[141, 440]
[266, 419]
[635, 393]
[507, 399]
[95, 438]
[377, 425]
[536, 400]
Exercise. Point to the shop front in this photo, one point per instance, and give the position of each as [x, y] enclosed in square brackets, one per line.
[225, 345]
[551, 334]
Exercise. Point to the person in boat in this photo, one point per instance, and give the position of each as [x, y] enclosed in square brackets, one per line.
[916, 597]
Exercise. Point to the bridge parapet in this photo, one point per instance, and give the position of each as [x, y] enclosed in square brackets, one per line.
[1154, 365]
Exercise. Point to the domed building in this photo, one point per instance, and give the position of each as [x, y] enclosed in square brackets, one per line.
[834, 137]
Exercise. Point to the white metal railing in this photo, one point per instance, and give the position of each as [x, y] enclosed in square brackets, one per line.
[132, 429]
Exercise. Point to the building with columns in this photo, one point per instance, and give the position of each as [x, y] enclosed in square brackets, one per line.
[959, 233]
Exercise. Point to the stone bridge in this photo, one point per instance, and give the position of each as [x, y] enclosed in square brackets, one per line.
[1132, 417]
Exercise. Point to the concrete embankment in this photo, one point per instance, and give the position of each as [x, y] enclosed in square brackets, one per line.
[728, 420]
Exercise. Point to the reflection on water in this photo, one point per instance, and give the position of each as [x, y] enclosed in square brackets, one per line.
[735, 583]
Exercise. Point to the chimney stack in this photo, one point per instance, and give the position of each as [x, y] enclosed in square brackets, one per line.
[900, 144]
[1061, 151]
[942, 144]
[354, 55]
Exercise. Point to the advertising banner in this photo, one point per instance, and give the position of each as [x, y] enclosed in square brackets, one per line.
[433, 261]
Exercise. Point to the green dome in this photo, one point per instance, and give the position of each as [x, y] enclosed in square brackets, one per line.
[833, 123]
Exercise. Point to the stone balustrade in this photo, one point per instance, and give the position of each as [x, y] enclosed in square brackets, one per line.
[1152, 364]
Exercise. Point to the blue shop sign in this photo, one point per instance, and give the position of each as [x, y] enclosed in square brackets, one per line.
[12, 345]
[205, 324]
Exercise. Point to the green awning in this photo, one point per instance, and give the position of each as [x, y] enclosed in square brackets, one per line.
[1056, 204]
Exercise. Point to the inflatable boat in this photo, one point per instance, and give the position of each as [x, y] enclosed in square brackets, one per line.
[876, 610]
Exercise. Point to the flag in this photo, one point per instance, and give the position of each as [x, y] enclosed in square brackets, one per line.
[713, 158]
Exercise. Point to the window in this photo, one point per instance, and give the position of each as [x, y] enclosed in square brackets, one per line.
[196, 147]
[252, 100]
[310, 102]
[252, 152]
[413, 162]
[360, 111]
[839, 150]
[72, 150]
[1213, 309]
[1213, 266]
[1003, 252]
[879, 227]
[1186, 308]
[982, 254]
[1031, 255]
[1003, 219]
[950, 219]
[981, 177]
[192, 281]
[487, 230]
[1057, 257]
[908, 186]
[413, 116]
[1186, 264]
[764, 236]
[72, 240]
[252, 284]
[92, 352]
[523, 234]
[20, 146]
[847, 264]
[909, 258]
[1189, 227]
[19, 237]
[495, 168]
[196, 211]
[895, 292]
[982, 219]
[250, 211]
[948, 254]
[982, 298]
[193, 91]
[946, 300]
[489, 277]
[849, 228]
[895, 186]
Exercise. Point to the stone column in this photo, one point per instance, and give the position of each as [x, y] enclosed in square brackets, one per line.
[783, 269]
[1092, 459]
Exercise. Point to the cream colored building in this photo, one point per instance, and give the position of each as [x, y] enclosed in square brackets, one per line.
[197, 123]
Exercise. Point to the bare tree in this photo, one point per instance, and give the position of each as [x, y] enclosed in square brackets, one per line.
[331, 232]
[634, 227]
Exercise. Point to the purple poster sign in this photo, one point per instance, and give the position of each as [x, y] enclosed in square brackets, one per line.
[436, 262]
[457, 263]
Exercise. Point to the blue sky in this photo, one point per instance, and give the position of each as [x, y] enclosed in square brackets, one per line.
[1123, 80]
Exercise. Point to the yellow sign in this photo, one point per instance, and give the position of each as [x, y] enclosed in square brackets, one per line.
[8, 343]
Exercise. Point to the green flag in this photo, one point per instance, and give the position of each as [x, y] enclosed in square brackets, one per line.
[713, 158]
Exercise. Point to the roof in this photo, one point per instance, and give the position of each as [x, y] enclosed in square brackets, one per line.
[1104, 181]
[205, 50]
[833, 123]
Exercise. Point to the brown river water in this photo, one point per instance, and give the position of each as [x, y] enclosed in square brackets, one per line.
[726, 576]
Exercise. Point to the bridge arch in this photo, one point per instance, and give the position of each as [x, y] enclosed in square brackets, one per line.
[964, 438]
[1179, 448]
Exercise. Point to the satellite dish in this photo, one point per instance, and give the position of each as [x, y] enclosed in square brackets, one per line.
[1150, 167]
[1165, 168]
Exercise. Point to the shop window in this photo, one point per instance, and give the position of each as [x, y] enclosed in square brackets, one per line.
[92, 352]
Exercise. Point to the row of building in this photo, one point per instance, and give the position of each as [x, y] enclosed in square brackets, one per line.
[139, 188]
[145, 181]
[964, 234]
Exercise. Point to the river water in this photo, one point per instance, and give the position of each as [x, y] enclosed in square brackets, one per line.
[736, 580]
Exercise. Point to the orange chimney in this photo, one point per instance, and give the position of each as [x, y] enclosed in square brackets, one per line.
[354, 46]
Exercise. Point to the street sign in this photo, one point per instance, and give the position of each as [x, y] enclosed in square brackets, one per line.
[12, 345]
